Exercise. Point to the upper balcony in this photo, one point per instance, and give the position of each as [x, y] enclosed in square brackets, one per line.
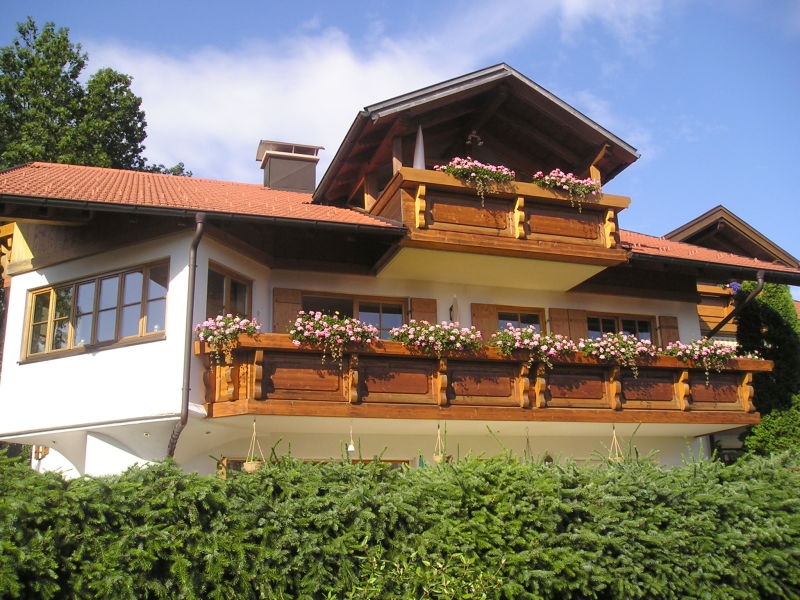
[532, 234]
[270, 376]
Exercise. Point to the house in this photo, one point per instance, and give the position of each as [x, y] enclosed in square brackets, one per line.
[106, 272]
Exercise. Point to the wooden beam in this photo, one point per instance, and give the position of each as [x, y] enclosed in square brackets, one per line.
[539, 138]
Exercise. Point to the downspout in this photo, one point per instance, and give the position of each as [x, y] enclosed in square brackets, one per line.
[199, 220]
[756, 291]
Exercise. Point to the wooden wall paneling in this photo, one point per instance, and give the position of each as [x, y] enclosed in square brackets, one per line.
[721, 394]
[423, 309]
[668, 329]
[564, 222]
[286, 303]
[398, 380]
[482, 383]
[578, 387]
[652, 389]
[303, 376]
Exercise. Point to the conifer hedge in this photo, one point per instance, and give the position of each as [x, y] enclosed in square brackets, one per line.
[494, 528]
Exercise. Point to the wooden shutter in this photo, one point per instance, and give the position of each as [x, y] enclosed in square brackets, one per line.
[571, 323]
[484, 318]
[423, 309]
[286, 303]
[668, 329]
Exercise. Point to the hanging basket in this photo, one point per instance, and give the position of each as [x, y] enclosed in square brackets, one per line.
[251, 466]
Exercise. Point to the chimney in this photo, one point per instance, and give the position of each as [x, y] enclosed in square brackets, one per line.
[288, 166]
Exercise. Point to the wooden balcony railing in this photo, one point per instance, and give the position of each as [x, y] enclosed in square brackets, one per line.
[269, 375]
[514, 219]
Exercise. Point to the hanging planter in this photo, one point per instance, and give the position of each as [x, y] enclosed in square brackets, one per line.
[576, 189]
[254, 461]
[476, 174]
[221, 333]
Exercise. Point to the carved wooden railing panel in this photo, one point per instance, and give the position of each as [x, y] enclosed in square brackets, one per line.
[267, 370]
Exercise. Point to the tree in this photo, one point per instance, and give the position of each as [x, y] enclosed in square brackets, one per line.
[777, 432]
[47, 114]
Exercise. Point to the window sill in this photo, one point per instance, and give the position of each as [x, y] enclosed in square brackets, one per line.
[94, 348]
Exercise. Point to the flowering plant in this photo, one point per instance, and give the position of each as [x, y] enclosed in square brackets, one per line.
[542, 347]
[220, 334]
[577, 189]
[621, 348]
[437, 339]
[477, 174]
[330, 332]
[710, 353]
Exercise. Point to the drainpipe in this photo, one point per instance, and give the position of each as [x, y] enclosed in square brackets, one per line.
[738, 309]
[199, 220]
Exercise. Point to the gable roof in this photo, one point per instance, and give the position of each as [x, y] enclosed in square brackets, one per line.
[720, 229]
[663, 249]
[497, 102]
[99, 188]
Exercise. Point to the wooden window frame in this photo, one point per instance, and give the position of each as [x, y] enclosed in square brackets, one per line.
[530, 310]
[357, 298]
[118, 340]
[228, 276]
[619, 317]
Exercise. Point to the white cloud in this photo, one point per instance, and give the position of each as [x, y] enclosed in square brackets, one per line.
[209, 108]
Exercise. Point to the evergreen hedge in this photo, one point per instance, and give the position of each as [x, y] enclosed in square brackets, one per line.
[496, 528]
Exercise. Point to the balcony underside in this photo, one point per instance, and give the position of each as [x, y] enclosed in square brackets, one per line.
[269, 376]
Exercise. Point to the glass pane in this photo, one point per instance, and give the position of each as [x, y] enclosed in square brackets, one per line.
[63, 302]
[129, 324]
[504, 318]
[60, 334]
[156, 311]
[106, 325]
[132, 289]
[629, 326]
[344, 306]
[530, 320]
[392, 315]
[85, 298]
[644, 330]
[83, 330]
[157, 284]
[38, 337]
[108, 292]
[215, 294]
[593, 324]
[370, 312]
[238, 305]
[609, 325]
[41, 307]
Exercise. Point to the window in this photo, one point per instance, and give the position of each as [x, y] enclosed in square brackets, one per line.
[519, 319]
[641, 327]
[384, 314]
[227, 292]
[105, 309]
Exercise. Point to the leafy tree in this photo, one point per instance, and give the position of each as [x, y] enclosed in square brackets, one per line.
[778, 431]
[769, 326]
[47, 114]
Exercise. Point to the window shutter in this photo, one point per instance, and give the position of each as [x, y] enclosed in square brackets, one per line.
[484, 318]
[286, 303]
[423, 309]
[571, 323]
[578, 326]
[668, 329]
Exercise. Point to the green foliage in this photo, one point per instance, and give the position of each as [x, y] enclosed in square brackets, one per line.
[47, 114]
[769, 326]
[482, 529]
[777, 432]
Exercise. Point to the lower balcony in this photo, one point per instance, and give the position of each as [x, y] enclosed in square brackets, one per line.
[270, 376]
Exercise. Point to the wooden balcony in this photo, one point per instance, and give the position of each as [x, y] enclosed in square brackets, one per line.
[515, 219]
[270, 376]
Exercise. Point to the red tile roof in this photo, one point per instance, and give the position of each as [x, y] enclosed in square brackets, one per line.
[116, 186]
[639, 243]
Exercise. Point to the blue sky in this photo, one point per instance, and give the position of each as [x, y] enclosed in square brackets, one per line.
[708, 91]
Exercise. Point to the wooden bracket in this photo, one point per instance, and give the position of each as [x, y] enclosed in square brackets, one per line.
[610, 229]
[256, 375]
[519, 218]
[682, 390]
[614, 389]
[539, 388]
[353, 380]
[441, 383]
[523, 386]
[420, 207]
[594, 172]
[746, 392]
